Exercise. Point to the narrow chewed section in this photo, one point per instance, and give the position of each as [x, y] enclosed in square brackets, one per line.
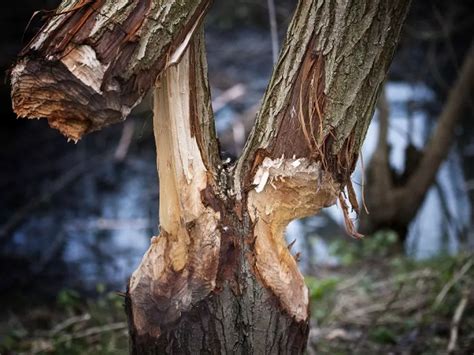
[286, 189]
[181, 264]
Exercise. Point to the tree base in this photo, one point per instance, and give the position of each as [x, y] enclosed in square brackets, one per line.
[227, 322]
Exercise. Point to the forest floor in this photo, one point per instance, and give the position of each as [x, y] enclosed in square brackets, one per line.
[374, 303]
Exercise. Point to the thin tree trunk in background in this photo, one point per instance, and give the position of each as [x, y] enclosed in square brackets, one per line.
[220, 278]
[394, 204]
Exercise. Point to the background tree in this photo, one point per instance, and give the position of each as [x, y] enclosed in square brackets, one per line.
[394, 199]
[435, 48]
[220, 276]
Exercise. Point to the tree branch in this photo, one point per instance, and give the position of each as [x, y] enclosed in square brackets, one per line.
[315, 113]
[380, 164]
[379, 195]
[180, 267]
[95, 60]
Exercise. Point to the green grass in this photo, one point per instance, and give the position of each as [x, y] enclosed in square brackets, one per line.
[381, 302]
[73, 325]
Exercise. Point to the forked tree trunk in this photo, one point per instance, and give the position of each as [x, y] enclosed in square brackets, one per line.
[220, 278]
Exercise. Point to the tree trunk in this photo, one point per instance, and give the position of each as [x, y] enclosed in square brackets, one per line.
[196, 290]
[220, 278]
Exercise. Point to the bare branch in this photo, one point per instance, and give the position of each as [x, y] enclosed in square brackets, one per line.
[438, 147]
[458, 313]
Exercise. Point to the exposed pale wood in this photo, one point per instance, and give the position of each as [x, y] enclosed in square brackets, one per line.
[286, 189]
[195, 286]
[180, 267]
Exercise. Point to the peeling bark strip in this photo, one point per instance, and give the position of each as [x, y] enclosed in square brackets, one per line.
[323, 89]
[95, 60]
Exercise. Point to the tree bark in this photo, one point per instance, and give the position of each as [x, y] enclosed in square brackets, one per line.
[220, 278]
[254, 299]
[195, 290]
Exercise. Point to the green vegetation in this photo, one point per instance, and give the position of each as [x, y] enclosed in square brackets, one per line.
[382, 302]
[73, 325]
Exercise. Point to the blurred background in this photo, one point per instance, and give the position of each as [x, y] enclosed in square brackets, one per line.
[75, 219]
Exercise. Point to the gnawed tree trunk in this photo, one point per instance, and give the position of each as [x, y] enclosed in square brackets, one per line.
[196, 288]
[393, 201]
[220, 278]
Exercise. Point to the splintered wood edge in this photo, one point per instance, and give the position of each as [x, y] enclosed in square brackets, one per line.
[180, 267]
[286, 189]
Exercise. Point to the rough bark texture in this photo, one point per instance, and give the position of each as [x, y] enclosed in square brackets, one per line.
[393, 200]
[220, 277]
[323, 90]
[96, 59]
[297, 161]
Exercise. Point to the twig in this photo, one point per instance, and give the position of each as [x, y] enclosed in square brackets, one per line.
[375, 321]
[60, 184]
[439, 299]
[231, 94]
[93, 331]
[54, 247]
[349, 283]
[273, 29]
[110, 224]
[418, 274]
[68, 322]
[83, 334]
[455, 323]
[125, 140]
